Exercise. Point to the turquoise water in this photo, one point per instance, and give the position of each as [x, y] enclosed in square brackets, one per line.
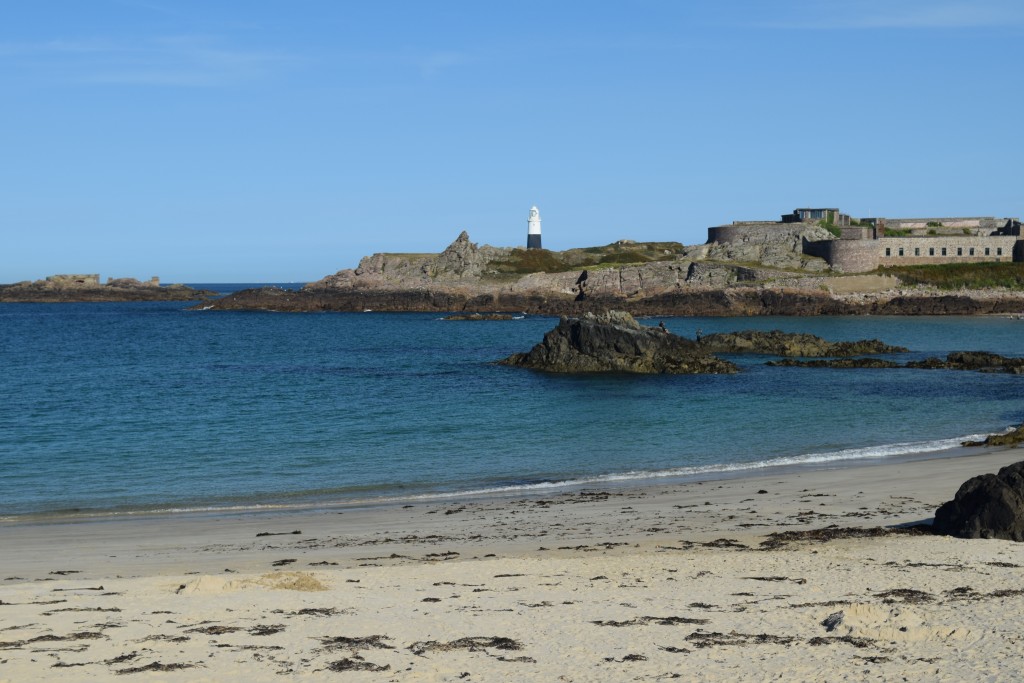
[148, 406]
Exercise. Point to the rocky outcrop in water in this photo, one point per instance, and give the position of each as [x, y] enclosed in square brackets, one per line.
[987, 506]
[1014, 437]
[976, 361]
[478, 316]
[875, 363]
[795, 345]
[616, 342]
[87, 288]
[979, 361]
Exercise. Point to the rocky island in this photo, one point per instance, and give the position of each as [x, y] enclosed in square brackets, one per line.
[761, 272]
[616, 342]
[87, 288]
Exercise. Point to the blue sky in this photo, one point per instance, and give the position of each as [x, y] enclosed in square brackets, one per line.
[281, 141]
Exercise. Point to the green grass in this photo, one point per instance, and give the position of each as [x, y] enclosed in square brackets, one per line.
[624, 257]
[830, 225]
[525, 261]
[893, 232]
[961, 275]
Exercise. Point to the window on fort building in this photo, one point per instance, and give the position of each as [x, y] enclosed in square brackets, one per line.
[931, 251]
[917, 251]
[999, 251]
[943, 251]
[888, 251]
[986, 251]
[901, 251]
[972, 251]
[959, 251]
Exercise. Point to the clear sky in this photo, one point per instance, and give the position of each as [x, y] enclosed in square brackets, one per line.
[217, 141]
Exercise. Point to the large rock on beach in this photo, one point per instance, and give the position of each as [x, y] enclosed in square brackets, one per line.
[793, 345]
[615, 342]
[987, 506]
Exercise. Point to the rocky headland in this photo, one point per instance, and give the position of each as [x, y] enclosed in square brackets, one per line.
[772, 277]
[87, 288]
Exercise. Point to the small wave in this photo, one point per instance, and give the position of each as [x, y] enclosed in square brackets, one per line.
[866, 453]
[308, 500]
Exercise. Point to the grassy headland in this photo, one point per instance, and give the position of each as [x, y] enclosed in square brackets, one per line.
[961, 275]
[525, 261]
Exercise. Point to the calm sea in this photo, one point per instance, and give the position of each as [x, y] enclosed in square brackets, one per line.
[148, 406]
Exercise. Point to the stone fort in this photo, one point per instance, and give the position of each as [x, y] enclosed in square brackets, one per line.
[862, 245]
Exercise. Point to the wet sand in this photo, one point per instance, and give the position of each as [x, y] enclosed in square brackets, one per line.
[803, 574]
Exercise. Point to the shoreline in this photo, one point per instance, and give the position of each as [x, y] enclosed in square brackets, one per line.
[220, 524]
[311, 502]
[684, 580]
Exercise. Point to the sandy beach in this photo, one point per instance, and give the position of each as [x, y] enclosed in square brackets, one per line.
[792, 575]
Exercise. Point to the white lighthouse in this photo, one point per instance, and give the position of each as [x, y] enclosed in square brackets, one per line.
[533, 229]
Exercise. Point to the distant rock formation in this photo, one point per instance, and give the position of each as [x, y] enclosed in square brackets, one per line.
[987, 506]
[478, 316]
[980, 361]
[616, 342]
[871, 363]
[977, 361]
[87, 288]
[778, 343]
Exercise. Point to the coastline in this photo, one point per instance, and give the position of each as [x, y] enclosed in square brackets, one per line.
[539, 571]
[303, 502]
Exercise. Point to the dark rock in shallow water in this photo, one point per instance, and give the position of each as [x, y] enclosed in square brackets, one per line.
[478, 316]
[987, 506]
[836, 363]
[778, 343]
[1012, 438]
[615, 342]
[980, 361]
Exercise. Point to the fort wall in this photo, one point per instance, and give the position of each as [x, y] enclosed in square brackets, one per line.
[752, 231]
[847, 256]
[907, 251]
[862, 248]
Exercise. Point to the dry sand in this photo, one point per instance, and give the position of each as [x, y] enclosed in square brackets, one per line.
[689, 582]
